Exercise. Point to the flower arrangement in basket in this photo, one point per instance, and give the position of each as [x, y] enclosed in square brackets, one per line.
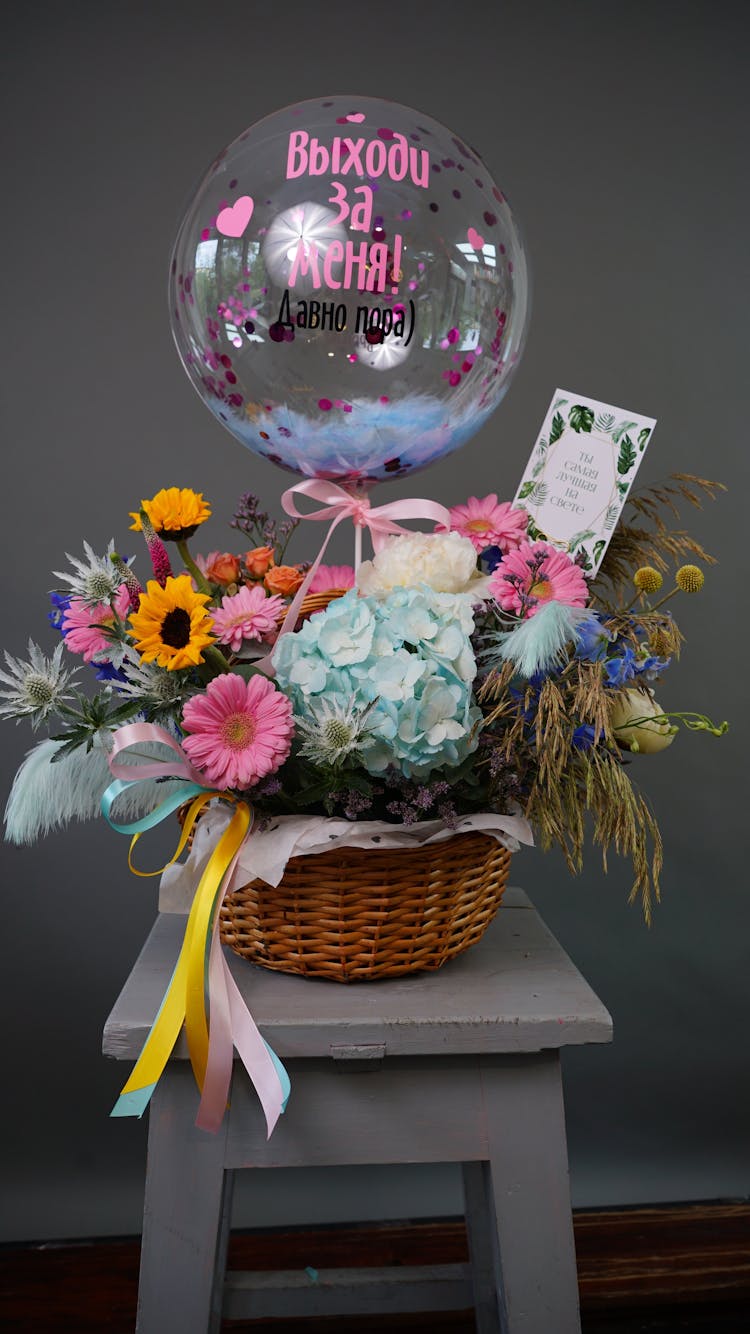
[392, 731]
[454, 687]
[354, 752]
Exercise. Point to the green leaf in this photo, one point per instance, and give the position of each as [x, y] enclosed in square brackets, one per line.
[621, 429]
[577, 538]
[583, 559]
[581, 418]
[557, 428]
[627, 455]
[535, 534]
[598, 549]
[604, 422]
[643, 438]
[310, 795]
[623, 488]
[526, 490]
[246, 670]
[125, 711]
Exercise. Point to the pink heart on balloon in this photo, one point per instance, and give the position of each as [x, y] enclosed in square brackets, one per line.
[356, 117]
[233, 221]
[475, 240]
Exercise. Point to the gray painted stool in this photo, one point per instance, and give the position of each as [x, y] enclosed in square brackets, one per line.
[461, 1066]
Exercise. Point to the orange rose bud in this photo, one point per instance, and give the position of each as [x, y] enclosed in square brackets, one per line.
[223, 569]
[283, 579]
[259, 561]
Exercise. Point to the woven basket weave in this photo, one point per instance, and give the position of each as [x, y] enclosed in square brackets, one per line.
[354, 914]
[313, 602]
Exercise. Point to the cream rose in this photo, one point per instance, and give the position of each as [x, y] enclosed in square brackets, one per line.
[638, 723]
[446, 562]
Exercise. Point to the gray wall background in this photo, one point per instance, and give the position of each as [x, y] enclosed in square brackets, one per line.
[619, 131]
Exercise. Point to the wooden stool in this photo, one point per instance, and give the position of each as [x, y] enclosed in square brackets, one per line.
[461, 1065]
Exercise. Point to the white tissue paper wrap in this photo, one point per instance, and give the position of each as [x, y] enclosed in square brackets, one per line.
[265, 853]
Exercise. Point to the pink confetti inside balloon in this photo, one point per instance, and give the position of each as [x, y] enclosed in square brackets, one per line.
[334, 283]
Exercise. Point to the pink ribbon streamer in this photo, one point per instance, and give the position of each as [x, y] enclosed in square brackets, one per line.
[230, 1022]
[233, 1026]
[337, 505]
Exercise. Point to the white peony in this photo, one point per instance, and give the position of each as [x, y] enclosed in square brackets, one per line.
[446, 562]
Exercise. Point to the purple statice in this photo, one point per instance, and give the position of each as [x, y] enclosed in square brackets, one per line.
[354, 803]
[259, 527]
[448, 814]
[403, 812]
[416, 798]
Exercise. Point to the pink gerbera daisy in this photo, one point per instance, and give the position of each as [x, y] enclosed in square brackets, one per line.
[80, 624]
[329, 577]
[249, 614]
[489, 524]
[239, 730]
[534, 574]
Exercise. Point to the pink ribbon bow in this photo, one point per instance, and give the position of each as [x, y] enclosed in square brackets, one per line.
[339, 504]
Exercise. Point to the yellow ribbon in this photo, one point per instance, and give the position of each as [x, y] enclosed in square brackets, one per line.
[185, 1000]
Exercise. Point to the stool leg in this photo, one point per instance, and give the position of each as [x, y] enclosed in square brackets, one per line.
[186, 1213]
[530, 1195]
[480, 1229]
[220, 1263]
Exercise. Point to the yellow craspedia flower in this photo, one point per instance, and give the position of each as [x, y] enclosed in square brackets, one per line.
[647, 579]
[690, 579]
[174, 512]
[171, 626]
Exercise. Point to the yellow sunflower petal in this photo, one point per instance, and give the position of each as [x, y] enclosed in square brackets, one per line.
[171, 626]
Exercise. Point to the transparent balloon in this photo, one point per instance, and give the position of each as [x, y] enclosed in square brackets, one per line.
[349, 290]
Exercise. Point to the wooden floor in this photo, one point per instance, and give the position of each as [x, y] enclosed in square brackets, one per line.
[679, 1270]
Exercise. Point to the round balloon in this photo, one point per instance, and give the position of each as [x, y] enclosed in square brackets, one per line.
[349, 290]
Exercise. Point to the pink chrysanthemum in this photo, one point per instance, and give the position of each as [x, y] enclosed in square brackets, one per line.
[249, 614]
[80, 624]
[328, 577]
[534, 574]
[239, 730]
[488, 523]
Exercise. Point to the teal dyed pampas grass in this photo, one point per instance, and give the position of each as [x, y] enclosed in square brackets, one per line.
[538, 644]
[47, 795]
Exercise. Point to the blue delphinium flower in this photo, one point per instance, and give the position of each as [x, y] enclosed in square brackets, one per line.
[584, 737]
[105, 671]
[491, 557]
[60, 603]
[592, 640]
[407, 657]
[622, 668]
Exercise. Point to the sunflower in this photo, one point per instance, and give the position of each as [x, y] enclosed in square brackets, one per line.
[175, 513]
[171, 625]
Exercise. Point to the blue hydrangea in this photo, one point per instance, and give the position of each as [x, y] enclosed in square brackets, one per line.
[408, 657]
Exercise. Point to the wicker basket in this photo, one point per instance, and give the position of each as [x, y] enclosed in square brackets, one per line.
[354, 914]
[313, 602]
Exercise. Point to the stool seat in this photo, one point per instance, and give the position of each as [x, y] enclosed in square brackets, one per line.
[460, 1065]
